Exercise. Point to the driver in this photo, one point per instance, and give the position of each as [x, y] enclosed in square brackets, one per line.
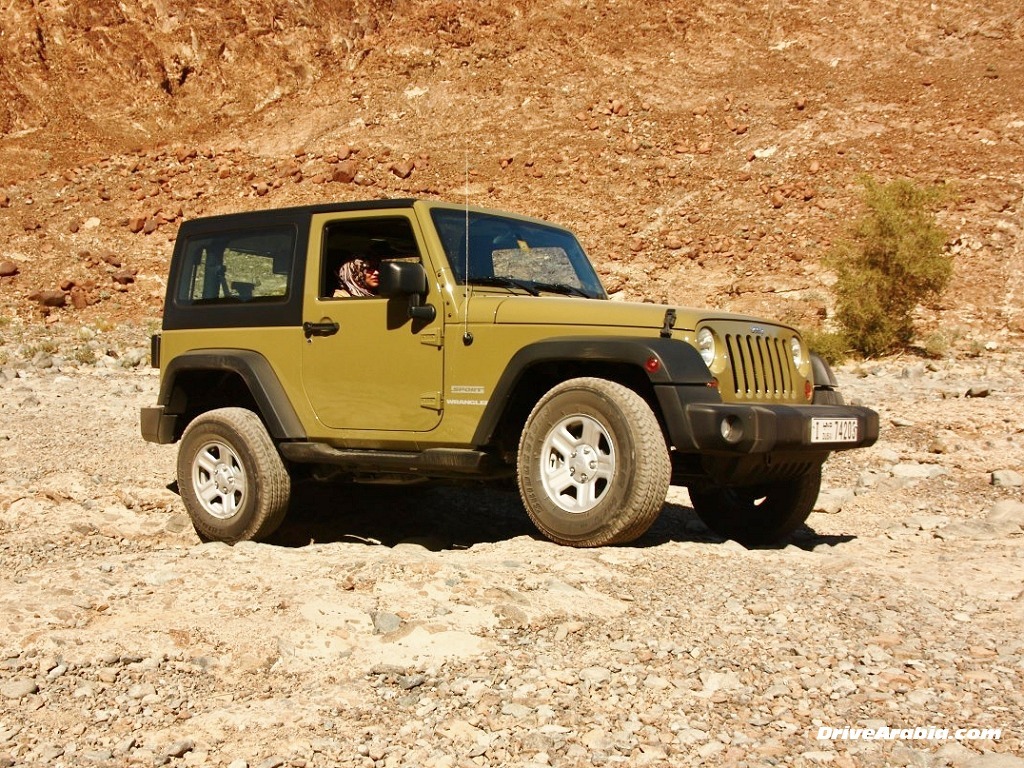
[358, 277]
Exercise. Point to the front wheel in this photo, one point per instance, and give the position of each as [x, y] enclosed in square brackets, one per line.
[761, 515]
[593, 467]
[231, 477]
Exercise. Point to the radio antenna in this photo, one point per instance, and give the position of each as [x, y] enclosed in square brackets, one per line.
[467, 337]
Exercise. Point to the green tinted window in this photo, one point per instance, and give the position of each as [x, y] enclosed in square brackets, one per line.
[254, 266]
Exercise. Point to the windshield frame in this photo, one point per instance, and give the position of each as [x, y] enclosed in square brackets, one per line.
[515, 242]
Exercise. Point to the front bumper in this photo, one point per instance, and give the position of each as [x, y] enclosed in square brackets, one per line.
[733, 429]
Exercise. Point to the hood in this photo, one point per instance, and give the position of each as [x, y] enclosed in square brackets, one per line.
[584, 313]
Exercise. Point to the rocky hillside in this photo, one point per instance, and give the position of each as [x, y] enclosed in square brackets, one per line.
[706, 152]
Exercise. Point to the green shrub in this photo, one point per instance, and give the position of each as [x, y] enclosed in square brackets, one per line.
[892, 260]
[833, 346]
[936, 345]
[86, 355]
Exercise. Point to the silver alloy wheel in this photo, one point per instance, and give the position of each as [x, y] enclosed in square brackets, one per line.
[219, 481]
[577, 463]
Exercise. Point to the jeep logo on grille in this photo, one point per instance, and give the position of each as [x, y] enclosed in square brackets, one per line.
[757, 330]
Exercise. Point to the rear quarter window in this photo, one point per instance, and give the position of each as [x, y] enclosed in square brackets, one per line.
[237, 268]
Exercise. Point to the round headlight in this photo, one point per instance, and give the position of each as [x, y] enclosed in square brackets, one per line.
[797, 350]
[706, 346]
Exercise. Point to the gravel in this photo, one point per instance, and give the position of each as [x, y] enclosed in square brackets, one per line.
[433, 628]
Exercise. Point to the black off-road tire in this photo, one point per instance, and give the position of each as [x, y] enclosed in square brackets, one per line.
[758, 516]
[593, 468]
[231, 477]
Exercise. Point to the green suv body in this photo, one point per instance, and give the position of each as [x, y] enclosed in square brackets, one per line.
[489, 351]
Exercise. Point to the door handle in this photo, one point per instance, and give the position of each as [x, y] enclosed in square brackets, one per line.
[323, 328]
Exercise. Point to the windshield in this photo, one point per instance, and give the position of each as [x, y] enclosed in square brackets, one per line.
[515, 254]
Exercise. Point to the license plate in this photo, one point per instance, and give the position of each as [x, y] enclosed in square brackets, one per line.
[834, 430]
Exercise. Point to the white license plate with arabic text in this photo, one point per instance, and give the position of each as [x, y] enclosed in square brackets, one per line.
[834, 431]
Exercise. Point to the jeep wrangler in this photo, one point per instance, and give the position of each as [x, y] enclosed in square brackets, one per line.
[489, 350]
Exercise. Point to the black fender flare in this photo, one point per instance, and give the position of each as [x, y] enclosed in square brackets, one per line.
[677, 363]
[258, 375]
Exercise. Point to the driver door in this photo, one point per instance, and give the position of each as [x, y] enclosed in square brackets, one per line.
[365, 364]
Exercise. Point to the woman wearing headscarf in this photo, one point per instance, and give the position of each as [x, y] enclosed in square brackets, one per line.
[358, 277]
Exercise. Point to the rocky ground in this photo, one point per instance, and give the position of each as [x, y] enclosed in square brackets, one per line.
[434, 628]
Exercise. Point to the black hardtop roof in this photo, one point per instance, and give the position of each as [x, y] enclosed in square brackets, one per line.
[293, 213]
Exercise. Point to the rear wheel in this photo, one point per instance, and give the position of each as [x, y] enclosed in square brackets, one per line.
[759, 515]
[593, 466]
[231, 477]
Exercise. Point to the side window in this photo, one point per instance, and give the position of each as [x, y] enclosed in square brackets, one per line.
[354, 250]
[238, 267]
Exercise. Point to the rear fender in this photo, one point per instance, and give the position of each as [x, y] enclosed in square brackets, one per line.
[253, 369]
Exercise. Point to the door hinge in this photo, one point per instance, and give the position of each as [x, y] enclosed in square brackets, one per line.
[432, 338]
[431, 400]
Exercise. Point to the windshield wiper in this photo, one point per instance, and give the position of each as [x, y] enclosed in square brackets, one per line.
[564, 288]
[504, 282]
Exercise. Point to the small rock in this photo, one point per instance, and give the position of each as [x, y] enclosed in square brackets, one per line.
[1007, 478]
[994, 760]
[408, 682]
[657, 682]
[345, 173]
[979, 391]
[50, 298]
[403, 169]
[384, 623]
[918, 471]
[180, 748]
[886, 455]
[913, 371]
[8, 269]
[56, 672]
[832, 500]
[136, 224]
[141, 690]
[597, 740]
[79, 299]
[596, 674]
[925, 522]
[19, 688]
[47, 755]
[1007, 511]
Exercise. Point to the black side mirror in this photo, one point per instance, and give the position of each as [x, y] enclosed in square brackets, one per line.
[405, 278]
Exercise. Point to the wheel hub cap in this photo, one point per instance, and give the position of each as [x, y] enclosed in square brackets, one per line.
[219, 481]
[583, 464]
[225, 481]
[578, 463]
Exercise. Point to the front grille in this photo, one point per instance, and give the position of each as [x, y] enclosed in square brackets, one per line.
[761, 366]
